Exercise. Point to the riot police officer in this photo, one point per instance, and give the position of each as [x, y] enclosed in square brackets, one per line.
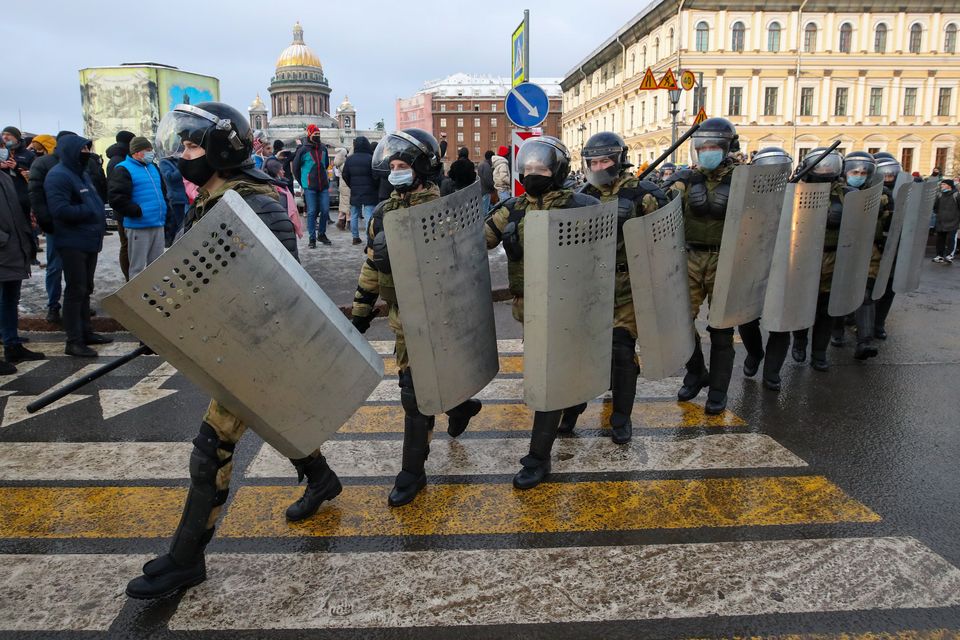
[889, 169]
[411, 161]
[605, 167]
[544, 164]
[214, 144]
[830, 169]
[859, 168]
[778, 342]
[667, 169]
[705, 190]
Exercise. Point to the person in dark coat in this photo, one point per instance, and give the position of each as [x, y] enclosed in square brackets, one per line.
[485, 174]
[117, 153]
[177, 197]
[17, 251]
[310, 166]
[462, 173]
[17, 165]
[947, 209]
[78, 223]
[364, 185]
[38, 202]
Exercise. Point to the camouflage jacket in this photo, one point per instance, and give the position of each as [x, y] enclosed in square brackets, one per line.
[702, 229]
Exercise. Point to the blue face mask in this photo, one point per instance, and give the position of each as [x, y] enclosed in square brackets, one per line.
[710, 160]
[149, 157]
[402, 178]
[856, 181]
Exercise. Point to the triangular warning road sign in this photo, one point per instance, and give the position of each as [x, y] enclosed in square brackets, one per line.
[668, 81]
[701, 116]
[649, 82]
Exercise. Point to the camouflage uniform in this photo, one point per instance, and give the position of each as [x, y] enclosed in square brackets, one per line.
[545, 423]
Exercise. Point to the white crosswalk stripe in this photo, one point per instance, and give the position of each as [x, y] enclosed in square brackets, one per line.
[511, 389]
[71, 461]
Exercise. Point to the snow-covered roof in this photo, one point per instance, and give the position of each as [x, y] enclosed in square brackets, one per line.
[466, 85]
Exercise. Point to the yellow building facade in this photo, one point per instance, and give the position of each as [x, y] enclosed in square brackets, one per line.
[795, 75]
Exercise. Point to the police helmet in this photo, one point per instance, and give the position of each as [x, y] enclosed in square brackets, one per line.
[771, 155]
[416, 147]
[860, 161]
[715, 132]
[544, 155]
[887, 166]
[219, 129]
[827, 170]
[604, 145]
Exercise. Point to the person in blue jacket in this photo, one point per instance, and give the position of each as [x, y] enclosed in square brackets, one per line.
[79, 222]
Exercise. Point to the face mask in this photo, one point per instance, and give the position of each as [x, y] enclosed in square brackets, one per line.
[710, 160]
[10, 144]
[198, 171]
[402, 178]
[149, 157]
[537, 185]
[856, 181]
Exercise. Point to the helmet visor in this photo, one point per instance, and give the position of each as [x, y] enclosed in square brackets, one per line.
[709, 141]
[830, 167]
[538, 158]
[394, 147]
[174, 129]
[889, 171]
[601, 169]
[859, 167]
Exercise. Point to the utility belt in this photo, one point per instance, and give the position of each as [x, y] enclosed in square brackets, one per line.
[710, 248]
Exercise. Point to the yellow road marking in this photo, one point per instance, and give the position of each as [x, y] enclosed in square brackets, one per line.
[447, 509]
[519, 417]
[508, 364]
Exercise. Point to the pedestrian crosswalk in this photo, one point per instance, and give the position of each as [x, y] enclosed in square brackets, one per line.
[485, 553]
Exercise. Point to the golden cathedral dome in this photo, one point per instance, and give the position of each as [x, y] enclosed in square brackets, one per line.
[298, 54]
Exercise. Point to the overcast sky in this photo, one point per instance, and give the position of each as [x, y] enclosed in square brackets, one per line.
[372, 51]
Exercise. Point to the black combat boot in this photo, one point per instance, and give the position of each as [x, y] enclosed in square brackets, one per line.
[777, 344]
[753, 341]
[882, 308]
[799, 351]
[568, 422]
[184, 566]
[459, 417]
[864, 317]
[536, 464]
[623, 384]
[322, 484]
[697, 376]
[417, 429]
[838, 330]
[818, 360]
[722, 355]
[19, 353]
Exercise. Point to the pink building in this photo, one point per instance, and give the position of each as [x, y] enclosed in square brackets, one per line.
[416, 112]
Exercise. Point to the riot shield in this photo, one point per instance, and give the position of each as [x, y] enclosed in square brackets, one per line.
[438, 258]
[568, 278]
[794, 284]
[658, 279]
[913, 240]
[746, 248]
[234, 312]
[858, 226]
[901, 199]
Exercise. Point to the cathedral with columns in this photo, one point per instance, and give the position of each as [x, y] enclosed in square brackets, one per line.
[299, 95]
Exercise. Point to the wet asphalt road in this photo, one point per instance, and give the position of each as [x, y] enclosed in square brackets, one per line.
[884, 432]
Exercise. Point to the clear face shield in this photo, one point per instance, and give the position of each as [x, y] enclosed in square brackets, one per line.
[709, 149]
[889, 172]
[393, 147]
[858, 172]
[828, 170]
[538, 158]
[187, 122]
[601, 167]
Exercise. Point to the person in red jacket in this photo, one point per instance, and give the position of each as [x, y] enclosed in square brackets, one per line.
[310, 170]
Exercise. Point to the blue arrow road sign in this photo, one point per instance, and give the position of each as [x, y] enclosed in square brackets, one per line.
[527, 105]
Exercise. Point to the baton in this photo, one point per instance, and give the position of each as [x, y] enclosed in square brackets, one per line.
[800, 175]
[666, 154]
[53, 396]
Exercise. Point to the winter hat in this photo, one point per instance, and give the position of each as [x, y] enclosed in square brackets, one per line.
[124, 137]
[47, 142]
[949, 182]
[60, 134]
[312, 129]
[139, 143]
[277, 146]
[14, 132]
[463, 153]
[502, 151]
[915, 174]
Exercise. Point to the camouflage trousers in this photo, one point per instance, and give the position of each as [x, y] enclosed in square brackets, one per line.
[400, 349]
[229, 429]
[624, 317]
[827, 265]
[701, 273]
[875, 262]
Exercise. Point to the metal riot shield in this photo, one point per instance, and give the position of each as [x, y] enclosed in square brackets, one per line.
[794, 284]
[568, 279]
[858, 227]
[658, 279]
[232, 310]
[913, 240]
[746, 248]
[900, 200]
[438, 257]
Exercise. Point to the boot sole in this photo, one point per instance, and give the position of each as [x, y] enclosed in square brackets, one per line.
[420, 487]
[326, 498]
[167, 594]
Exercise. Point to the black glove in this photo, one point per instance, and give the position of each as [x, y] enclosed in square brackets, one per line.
[362, 323]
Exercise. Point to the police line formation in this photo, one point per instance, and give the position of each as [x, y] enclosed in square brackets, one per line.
[597, 276]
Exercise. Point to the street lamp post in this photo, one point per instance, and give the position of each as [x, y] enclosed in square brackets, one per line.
[581, 129]
[674, 100]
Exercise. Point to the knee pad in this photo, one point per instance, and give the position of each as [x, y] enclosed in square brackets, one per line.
[205, 461]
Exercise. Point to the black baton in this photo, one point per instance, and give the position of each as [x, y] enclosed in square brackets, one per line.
[666, 154]
[800, 175]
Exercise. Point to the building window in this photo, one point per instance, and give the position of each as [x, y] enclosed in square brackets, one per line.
[739, 31]
[656, 110]
[631, 116]
[644, 65]
[906, 160]
[916, 36]
[476, 122]
[643, 113]
[873, 150]
[476, 152]
[670, 39]
[910, 101]
[703, 37]
[876, 101]
[443, 106]
[950, 39]
[460, 122]
[493, 122]
[476, 107]
[770, 95]
[810, 38]
[476, 136]
[840, 106]
[459, 106]
[736, 100]
[633, 65]
[697, 100]
[773, 37]
[656, 49]
[802, 153]
[940, 159]
[846, 37]
[806, 101]
[493, 105]
[459, 92]
[443, 123]
[493, 136]
[943, 104]
[880, 39]
[460, 137]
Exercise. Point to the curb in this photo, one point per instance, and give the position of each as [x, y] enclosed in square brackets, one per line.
[106, 324]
